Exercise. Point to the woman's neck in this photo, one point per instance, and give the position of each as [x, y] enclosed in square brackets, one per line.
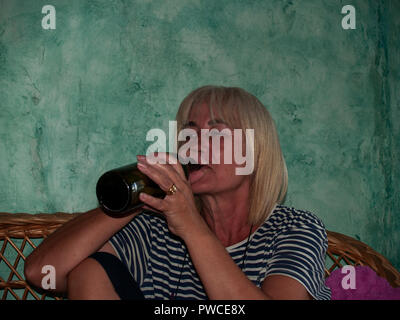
[227, 214]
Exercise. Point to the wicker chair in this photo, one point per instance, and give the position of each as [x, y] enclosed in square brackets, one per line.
[21, 233]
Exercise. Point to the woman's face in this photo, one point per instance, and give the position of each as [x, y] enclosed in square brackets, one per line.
[213, 178]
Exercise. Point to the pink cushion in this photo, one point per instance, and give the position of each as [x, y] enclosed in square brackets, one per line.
[360, 283]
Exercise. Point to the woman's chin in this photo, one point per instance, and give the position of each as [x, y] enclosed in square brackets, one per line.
[199, 181]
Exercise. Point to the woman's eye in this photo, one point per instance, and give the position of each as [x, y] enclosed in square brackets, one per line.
[187, 134]
[220, 133]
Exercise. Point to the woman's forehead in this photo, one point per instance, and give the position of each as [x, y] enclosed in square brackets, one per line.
[205, 111]
[217, 109]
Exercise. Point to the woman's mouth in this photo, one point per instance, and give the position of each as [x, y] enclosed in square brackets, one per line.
[196, 172]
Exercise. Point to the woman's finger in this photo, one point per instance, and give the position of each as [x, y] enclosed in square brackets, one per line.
[165, 173]
[155, 174]
[146, 207]
[151, 201]
[168, 159]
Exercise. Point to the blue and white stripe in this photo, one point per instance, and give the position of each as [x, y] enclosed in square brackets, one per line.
[290, 242]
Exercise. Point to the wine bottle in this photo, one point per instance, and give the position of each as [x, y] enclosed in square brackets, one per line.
[118, 190]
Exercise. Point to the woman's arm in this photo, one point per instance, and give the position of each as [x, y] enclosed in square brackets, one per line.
[223, 279]
[73, 242]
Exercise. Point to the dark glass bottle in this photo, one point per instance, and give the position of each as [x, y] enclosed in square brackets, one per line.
[118, 190]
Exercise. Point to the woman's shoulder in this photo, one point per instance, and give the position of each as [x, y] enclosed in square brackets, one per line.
[285, 217]
[289, 225]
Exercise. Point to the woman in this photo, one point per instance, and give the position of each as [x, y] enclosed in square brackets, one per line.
[218, 235]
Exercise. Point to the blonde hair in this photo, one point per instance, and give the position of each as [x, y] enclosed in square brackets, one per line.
[242, 110]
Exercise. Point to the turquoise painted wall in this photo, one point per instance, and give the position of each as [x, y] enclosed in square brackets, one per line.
[79, 100]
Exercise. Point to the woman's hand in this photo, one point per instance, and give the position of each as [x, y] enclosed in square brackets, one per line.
[179, 208]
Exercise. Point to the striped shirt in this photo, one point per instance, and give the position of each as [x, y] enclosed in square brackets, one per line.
[290, 242]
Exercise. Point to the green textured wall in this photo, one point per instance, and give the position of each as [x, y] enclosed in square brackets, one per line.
[78, 100]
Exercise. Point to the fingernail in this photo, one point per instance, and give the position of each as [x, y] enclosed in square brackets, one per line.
[142, 196]
[141, 158]
[141, 165]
